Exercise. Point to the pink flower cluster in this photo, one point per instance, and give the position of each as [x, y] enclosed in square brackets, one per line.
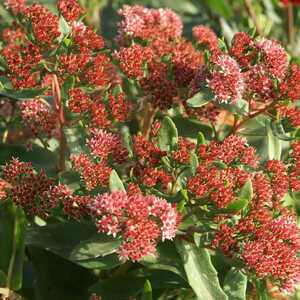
[103, 143]
[141, 220]
[17, 6]
[38, 118]
[142, 22]
[227, 81]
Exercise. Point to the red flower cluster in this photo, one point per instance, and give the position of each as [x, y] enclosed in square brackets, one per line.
[148, 169]
[166, 53]
[184, 150]
[219, 176]
[29, 190]
[269, 249]
[136, 218]
[97, 110]
[44, 23]
[21, 60]
[85, 37]
[37, 194]
[206, 37]
[93, 174]
[277, 171]
[104, 147]
[70, 9]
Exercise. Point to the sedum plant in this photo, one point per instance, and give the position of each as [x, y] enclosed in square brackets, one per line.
[164, 167]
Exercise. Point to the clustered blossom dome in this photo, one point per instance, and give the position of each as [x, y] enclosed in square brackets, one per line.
[141, 220]
[142, 22]
[17, 6]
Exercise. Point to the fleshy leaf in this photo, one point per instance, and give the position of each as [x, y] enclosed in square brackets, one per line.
[115, 183]
[235, 284]
[200, 272]
[167, 135]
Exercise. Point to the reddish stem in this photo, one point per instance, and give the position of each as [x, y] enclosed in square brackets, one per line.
[184, 237]
[237, 124]
[61, 117]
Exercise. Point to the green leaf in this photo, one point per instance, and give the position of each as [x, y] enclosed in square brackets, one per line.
[70, 178]
[117, 90]
[76, 242]
[128, 142]
[115, 183]
[147, 292]
[278, 131]
[200, 139]
[76, 139]
[3, 279]
[202, 239]
[236, 205]
[220, 165]
[98, 245]
[222, 45]
[22, 94]
[119, 287]
[189, 128]
[133, 282]
[246, 191]
[220, 7]
[194, 163]
[235, 285]
[167, 135]
[58, 278]
[166, 258]
[67, 85]
[274, 144]
[201, 98]
[270, 11]
[200, 272]
[12, 237]
[239, 108]
[64, 28]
